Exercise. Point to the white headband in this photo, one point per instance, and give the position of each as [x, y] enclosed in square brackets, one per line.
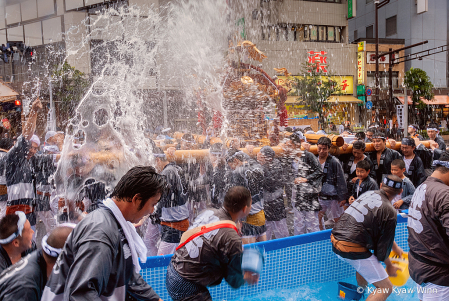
[441, 163]
[20, 224]
[433, 129]
[49, 250]
[36, 140]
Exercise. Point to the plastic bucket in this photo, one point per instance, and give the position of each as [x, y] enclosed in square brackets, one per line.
[403, 274]
[348, 291]
[252, 260]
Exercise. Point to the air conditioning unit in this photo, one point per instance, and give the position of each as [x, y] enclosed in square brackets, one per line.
[422, 6]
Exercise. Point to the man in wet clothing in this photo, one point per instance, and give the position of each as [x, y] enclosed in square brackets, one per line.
[432, 132]
[246, 172]
[382, 157]
[100, 259]
[172, 209]
[428, 228]
[27, 278]
[334, 189]
[274, 208]
[369, 224]
[216, 254]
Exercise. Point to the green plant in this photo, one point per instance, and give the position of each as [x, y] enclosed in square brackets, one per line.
[68, 85]
[419, 82]
[313, 89]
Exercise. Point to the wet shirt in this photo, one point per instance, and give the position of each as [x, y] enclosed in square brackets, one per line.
[384, 166]
[96, 264]
[370, 222]
[428, 228]
[334, 183]
[415, 171]
[213, 256]
[25, 280]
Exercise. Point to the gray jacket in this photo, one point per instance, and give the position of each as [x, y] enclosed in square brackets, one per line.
[408, 189]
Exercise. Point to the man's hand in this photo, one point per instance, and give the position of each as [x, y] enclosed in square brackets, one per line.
[391, 268]
[305, 146]
[433, 145]
[300, 180]
[397, 250]
[342, 203]
[345, 147]
[354, 180]
[249, 148]
[392, 143]
[251, 278]
[36, 106]
[398, 204]
[171, 152]
[351, 200]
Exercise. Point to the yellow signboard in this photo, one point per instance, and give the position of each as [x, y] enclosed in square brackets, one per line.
[360, 68]
[346, 83]
[360, 46]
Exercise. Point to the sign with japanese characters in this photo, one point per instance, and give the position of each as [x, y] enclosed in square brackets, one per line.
[346, 83]
[360, 68]
[371, 58]
[318, 59]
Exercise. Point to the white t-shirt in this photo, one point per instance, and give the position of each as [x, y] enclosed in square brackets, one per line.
[407, 163]
[322, 165]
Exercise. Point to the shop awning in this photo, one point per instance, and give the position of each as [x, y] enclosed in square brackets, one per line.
[437, 100]
[291, 100]
[6, 93]
[344, 99]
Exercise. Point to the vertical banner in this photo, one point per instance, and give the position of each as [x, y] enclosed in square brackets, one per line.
[352, 8]
[360, 68]
[400, 115]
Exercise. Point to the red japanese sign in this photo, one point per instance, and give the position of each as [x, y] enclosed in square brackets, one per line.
[319, 60]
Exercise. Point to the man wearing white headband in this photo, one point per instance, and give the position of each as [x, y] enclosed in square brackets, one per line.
[428, 228]
[15, 238]
[22, 165]
[26, 279]
[412, 130]
[364, 237]
[432, 132]
[100, 259]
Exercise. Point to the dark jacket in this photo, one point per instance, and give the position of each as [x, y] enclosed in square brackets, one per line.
[25, 280]
[215, 178]
[334, 183]
[348, 162]
[384, 167]
[95, 262]
[308, 167]
[367, 185]
[440, 141]
[218, 256]
[370, 222]
[273, 191]
[416, 172]
[250, 176]
[428, 228]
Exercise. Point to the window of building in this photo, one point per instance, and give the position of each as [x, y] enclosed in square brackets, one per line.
[337, 34]
[391, 26]
[313, 32]
[369, 1]
[291, 33]
[383, 79]
[322, 33]
[331, 33]
[355, 35]
[306, 33]
[300, 33]
[369, 32]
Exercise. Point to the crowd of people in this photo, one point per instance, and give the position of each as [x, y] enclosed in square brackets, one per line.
[164, 209]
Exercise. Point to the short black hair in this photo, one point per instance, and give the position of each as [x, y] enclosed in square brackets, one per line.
[159, 153]
[236, 199]
[6, 143]
[359, 145]
[324, 141]
[444, 157]
[433, 125]
[188, 137]
[216, 148]
[8, 225]
[360, 135]
[371, 130]
[399, 163]
[235, 154]
[289, 129]
[141, 180]
[364, 165]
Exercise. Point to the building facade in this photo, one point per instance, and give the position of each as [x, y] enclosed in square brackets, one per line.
[408, 20]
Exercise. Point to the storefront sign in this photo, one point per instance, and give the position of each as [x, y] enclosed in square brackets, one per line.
[351, 8]
[360, 68]
[346, 83]
[361, 90]
[319, 60]
[6, 123]
[361, 46]
[400, 115]
[370, 58]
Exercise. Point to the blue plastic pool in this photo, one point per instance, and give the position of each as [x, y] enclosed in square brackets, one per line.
[327, 291]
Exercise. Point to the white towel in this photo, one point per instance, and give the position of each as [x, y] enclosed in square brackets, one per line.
[135, 242]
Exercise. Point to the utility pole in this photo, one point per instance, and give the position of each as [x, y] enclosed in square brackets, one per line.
[377, 5]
